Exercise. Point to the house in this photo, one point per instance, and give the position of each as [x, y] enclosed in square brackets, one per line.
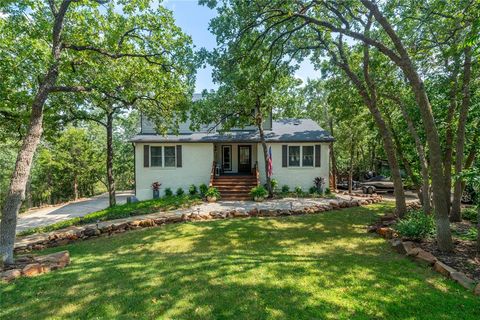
[232, 161]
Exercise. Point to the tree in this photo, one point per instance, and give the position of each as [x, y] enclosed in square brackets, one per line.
[68, 39]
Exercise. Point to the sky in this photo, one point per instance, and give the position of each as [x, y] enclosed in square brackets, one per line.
[194, 20]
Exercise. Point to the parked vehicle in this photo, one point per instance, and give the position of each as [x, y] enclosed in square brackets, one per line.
[377, 184]
[343, 185]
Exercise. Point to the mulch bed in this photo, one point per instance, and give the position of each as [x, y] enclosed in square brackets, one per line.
[464, 258]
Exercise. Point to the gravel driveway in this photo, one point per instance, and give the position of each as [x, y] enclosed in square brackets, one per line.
[50, 215]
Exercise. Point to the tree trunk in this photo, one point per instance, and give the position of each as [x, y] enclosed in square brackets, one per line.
[16, 190]
[75, 188]
[447, 161]
[455, 213]
[444, 235]
[110, 176]
[259, 122]
[350, 166]
[334, 160]
[478, 229]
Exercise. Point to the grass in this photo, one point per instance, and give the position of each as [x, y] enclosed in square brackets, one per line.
[323, 266]
[120, 211]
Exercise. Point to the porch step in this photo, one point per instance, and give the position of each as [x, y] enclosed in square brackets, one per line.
[235, 187]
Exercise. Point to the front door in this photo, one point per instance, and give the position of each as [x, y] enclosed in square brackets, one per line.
[244, 158]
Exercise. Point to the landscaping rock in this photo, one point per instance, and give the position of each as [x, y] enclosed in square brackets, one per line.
[56, 260]
[442, 268]
[463, 280]
[397, 244]
[32, 269]
[90, 232]
[476, 291]
[10, 275]
[425, 257]
[385, 232]
[408, 246]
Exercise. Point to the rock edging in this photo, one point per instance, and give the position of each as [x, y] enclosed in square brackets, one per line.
[421, 256]
[78, 233]
[30, 266]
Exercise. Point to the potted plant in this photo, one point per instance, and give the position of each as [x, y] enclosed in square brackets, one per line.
[156, 189]
[258, 193]
[212, 194]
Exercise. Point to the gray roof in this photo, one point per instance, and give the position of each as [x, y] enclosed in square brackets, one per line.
[286, 130]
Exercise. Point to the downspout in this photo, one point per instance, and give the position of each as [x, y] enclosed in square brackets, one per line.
[134, 170]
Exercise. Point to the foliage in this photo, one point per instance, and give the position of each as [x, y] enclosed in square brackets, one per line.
[327, 191]
[120, 211]
[331, 251]
[180, 192]
[203, 189]
[416, 225]
[212, 192]
[285, 188]
[192, 190]
[298, 190]
[168, 192]
[313, 190]
[470, 214]
[259, 192]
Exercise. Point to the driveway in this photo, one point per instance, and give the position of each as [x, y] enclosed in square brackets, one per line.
[50, 215]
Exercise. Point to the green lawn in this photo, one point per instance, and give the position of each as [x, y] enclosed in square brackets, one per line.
[121, 211]
[321, 266]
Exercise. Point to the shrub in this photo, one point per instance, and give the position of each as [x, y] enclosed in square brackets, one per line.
[416, 225]
[168, 192]
[470, 214]
[180, 192]
[192, 190]
[327, 191]
[285, 189]
[274, 184]
[298, 190]
[259, 192]
[212, 192]
[203, 189]
[313, 190]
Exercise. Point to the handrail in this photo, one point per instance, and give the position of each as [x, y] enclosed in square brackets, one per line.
[212, 174]
[257, 173]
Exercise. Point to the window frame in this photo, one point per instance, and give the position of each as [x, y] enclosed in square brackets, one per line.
[162, 157]
[156, 157]
[301, 146]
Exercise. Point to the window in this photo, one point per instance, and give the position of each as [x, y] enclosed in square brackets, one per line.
[307, 156]
[169, 157]
[294, 156]
[156, 156]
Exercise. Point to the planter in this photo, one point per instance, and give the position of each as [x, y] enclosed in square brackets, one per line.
[211, 199]
[258, 199]
[156, 194]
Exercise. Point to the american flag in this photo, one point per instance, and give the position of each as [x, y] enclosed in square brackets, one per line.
[270, 165]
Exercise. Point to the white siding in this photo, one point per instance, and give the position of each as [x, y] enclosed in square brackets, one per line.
[294, 176]
[197, 161]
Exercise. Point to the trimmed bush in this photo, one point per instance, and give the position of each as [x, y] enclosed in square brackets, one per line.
[212, 192]
[313, 190]
[327, 191]
[203, 189]
[285, 189]
[180, 192]
[192, 190]
[259, 192]
[416, 225]
[168, 192]
[298, 190]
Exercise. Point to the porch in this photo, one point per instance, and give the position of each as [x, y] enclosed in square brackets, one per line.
[235, 159]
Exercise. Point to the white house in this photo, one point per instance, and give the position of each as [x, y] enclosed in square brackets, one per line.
[233, 161]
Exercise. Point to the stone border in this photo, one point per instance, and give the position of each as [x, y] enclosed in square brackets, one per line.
[29, 266]
[107, 228]
[421, 256]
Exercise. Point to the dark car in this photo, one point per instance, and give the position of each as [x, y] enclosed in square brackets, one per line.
[343, 185]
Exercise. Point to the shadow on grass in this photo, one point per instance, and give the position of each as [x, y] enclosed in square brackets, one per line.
[305, 267]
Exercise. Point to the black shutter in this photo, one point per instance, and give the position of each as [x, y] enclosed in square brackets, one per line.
[317, 155]
[284, 155]
[146, 155]
[179, 156]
